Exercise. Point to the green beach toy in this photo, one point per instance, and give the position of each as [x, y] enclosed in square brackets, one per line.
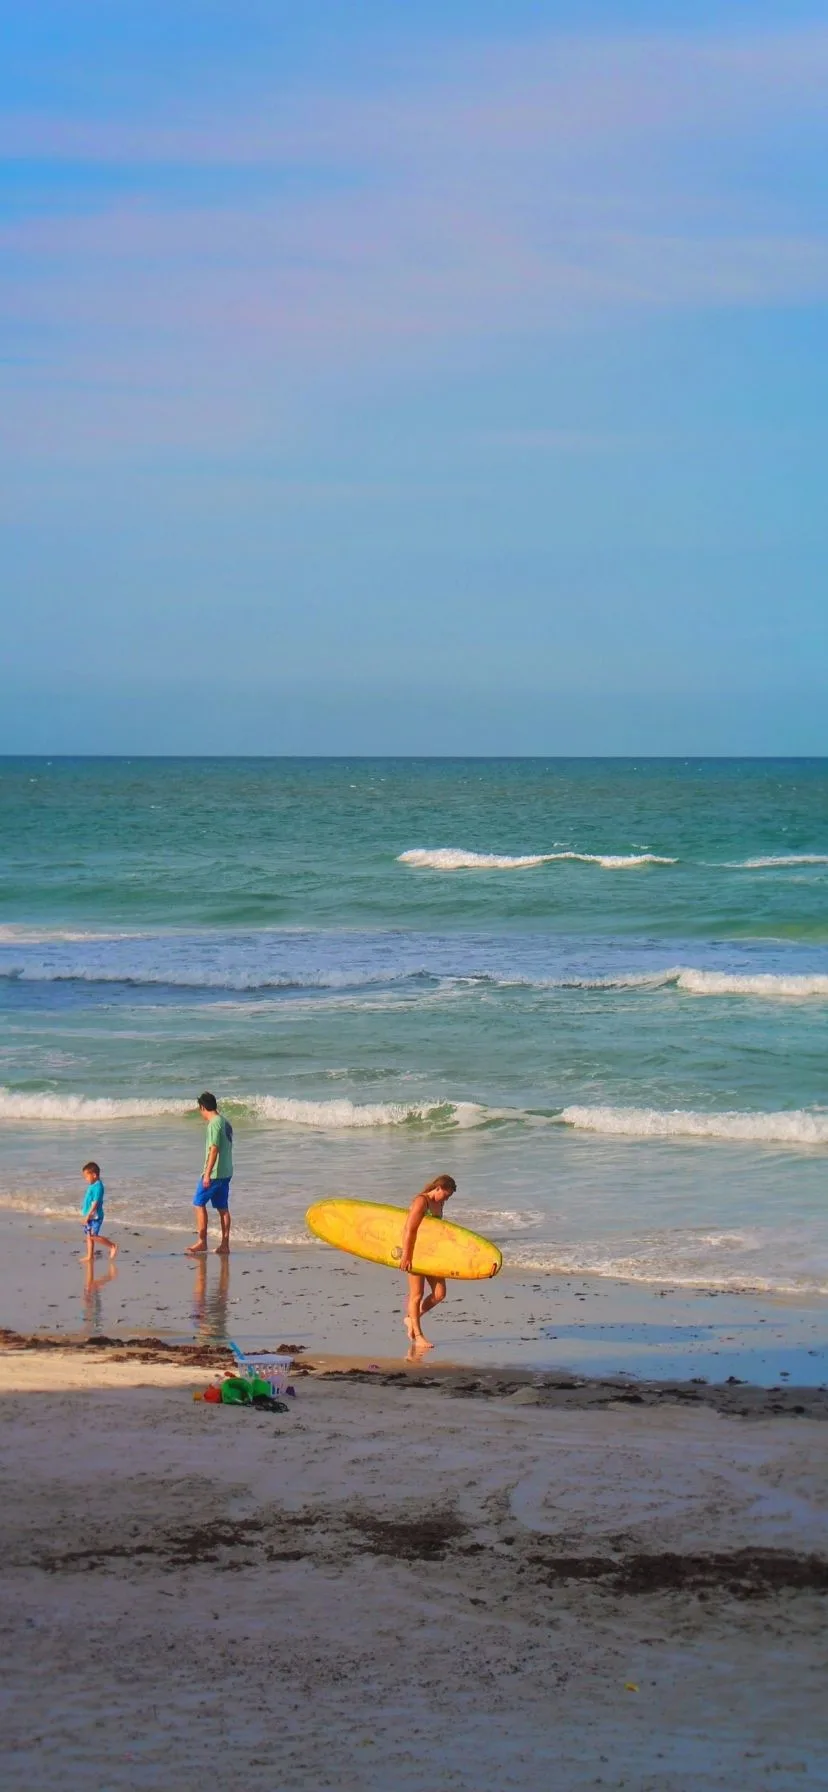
[240, 1390]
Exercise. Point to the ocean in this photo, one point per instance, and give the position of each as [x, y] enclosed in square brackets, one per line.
[595, 991]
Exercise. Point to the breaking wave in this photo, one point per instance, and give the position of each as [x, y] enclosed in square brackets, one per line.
[15, 1105]
[336, 1115]
[191, 978]
[450, 858]
[344, 1114]
[800, 1126]
[769, 984]
[360, 984]
[780, 862]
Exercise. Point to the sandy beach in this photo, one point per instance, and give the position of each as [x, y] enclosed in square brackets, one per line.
[419, 1581]
[582, 1542]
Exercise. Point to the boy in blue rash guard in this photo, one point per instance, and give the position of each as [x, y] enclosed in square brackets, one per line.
[213, 1186]
[92, 1212]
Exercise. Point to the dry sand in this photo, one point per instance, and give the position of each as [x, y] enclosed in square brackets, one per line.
[427, 1582]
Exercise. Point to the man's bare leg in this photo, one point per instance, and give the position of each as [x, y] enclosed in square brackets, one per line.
[223, 1249]
[194, 1250]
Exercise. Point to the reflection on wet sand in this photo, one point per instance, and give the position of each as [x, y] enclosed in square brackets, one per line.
[92, 1285]
[210, 1308]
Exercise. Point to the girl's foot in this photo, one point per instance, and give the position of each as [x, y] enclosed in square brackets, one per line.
[196, 1250]
[409, 1326]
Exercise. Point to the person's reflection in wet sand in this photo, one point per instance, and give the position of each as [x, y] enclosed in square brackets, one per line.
[92, 1285]
[210, 1310]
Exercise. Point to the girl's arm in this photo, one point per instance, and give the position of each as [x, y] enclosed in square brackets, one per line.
[416, 1214]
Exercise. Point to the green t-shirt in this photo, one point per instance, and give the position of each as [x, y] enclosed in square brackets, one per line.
[217, 1135]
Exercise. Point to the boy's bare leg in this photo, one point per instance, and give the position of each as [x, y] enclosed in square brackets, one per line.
[223, 1249]
[194, 1250]
[112, 1248]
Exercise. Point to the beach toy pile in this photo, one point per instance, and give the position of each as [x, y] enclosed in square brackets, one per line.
[262, 1377]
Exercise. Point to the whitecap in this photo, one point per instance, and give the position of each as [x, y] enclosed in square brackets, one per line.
[20, 1105]
[761, 983]
[332, 1115]
[800, 1126]
[450, 858]
[780, 862]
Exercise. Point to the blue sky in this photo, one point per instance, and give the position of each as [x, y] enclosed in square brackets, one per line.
[443, 378]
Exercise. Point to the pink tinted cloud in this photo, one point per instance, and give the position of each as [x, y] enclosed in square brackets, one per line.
[519, 193]
[530, 95]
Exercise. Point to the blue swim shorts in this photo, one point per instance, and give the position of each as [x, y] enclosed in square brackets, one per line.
[218, 1194]
[93, 1226]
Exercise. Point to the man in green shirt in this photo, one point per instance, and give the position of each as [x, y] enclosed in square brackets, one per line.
[214, 1183]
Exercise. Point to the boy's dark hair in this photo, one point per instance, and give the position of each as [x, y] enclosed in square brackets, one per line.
[95, 1168]
[208, 1102]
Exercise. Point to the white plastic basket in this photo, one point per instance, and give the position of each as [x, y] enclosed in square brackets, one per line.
[267, 1364]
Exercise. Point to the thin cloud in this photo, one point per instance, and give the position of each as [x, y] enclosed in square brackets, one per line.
[508, 194]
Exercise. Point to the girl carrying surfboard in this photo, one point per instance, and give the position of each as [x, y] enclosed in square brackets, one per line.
[429, 1202]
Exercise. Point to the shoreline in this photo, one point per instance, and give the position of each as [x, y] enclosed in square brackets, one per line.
[343, 1309]
[40, 1363]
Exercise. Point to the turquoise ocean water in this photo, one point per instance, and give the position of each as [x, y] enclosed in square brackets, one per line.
[596, 991]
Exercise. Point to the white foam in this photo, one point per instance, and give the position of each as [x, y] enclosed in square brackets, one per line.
[17, 1105]
[325, 1116]
[449, 858]
[354, 988]
[797, 1127]
[191, 978]
[583, 1261]
[780, 862]
[18, 933]
[497, 1220]
[620, 861]
[344, 1115]
[768, 984]
[623, 980]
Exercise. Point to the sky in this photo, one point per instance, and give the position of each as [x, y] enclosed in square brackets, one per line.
[440, 378]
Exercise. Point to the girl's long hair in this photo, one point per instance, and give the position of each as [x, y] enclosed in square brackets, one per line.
[445, 1182]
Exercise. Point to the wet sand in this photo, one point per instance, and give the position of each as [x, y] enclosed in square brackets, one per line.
[340, 1307]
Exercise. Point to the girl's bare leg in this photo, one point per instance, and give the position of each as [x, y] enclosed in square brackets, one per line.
[416, 1285]
[438, 1293]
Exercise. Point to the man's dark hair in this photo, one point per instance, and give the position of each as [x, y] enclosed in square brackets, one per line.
[208, 1102]
[95, 1168]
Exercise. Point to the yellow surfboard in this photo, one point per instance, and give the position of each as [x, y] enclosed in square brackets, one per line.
[372, 1230]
